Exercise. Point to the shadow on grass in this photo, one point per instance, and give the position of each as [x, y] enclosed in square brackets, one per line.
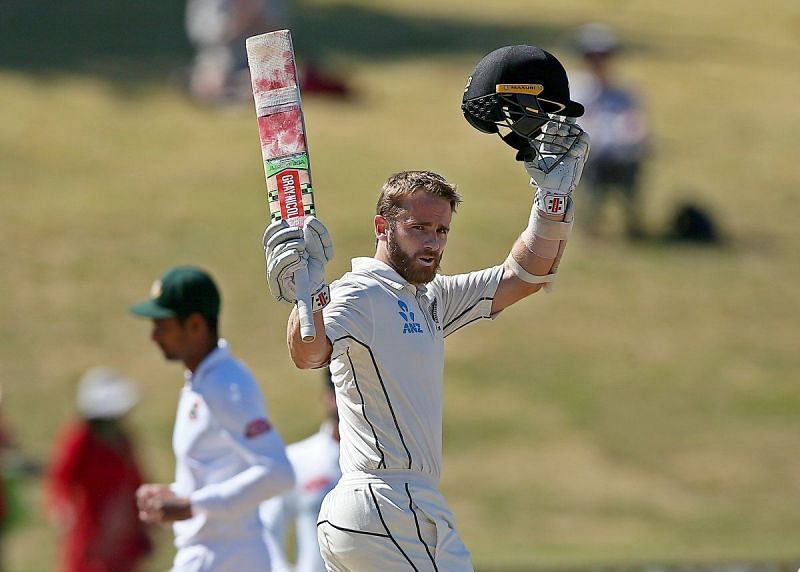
[122, 41]
[132, 41]
[367, 33]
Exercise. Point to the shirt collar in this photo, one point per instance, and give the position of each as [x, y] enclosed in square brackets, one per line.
[215, 356]
[385, 273]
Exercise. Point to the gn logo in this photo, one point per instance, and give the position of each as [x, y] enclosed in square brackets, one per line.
[409, 325]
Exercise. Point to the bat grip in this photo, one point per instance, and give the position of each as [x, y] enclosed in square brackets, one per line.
[307, 330]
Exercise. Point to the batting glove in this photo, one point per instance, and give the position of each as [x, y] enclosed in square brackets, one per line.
[319, 251]
[554, 173]
[288, 249]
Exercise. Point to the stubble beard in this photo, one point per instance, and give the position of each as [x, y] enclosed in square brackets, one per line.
[407, 266]
[168, 355]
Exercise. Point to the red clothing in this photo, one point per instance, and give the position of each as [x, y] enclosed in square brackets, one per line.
[92, 482]
[5, 443]
[2, 505]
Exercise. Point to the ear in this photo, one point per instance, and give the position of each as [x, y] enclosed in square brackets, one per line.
[196, 323]
[381, 227]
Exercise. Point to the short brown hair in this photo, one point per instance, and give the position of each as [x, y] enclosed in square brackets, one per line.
[405, 183]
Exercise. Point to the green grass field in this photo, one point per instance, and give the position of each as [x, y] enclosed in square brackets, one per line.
[647, 411]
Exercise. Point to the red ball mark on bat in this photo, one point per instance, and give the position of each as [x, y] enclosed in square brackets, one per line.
[288, 66]
[268, 84]
[282, 133]
[278, 72]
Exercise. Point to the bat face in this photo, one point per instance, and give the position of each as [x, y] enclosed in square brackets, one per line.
[282, 133]
[289, 189]
[272, 66]
[281, 128]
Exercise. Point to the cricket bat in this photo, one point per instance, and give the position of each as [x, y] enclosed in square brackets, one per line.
[281, 129]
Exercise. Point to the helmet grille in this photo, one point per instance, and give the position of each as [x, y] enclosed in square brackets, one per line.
[486, 107]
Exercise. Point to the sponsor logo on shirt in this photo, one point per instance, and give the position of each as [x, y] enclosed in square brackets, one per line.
[256, 427]
[409, 325]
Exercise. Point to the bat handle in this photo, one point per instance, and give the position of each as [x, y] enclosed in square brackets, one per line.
[307, 330]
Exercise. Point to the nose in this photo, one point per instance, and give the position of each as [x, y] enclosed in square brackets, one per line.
[432, 241]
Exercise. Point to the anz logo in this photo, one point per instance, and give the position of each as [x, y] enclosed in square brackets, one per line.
[409, 325]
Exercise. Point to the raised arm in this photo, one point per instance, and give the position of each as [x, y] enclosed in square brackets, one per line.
[308, 355]
[535, 256]
[288, 249]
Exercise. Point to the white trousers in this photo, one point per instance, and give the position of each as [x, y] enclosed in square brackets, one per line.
[386, 521]
[249, 555]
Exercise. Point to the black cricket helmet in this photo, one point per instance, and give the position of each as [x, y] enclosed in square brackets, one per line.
[524, 89]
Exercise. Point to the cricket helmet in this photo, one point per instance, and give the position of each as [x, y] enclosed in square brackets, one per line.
[521, 88]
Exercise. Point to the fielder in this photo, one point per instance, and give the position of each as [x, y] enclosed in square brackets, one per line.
[315, 461]
[229, 458]
[386, 320]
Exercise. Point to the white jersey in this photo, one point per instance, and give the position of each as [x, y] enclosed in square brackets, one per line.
[228, 458]
[315, 461]
[388, 361]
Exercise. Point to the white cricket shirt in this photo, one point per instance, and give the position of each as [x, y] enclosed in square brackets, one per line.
[388, 360]
[315, 461]
[229, 458]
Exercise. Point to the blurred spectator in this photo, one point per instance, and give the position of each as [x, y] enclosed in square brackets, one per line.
[618, 128]
[218, 29]
[5, 511]
[228, 456]
[93, 478]
[315, 461]
[14, 466]
[5, 443]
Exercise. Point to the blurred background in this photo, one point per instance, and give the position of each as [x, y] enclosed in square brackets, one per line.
[645, 414]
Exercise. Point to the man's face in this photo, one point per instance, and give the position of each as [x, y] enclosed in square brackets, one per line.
[415, 240]
[171, 336]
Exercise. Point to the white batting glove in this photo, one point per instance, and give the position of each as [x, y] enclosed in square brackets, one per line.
[288, 249]
[554, 175]
[284, 248]
[319, 251]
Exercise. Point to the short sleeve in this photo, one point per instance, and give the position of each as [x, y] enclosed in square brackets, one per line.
[464, 298]
[238, 409]
[238, 406]
[349, 312]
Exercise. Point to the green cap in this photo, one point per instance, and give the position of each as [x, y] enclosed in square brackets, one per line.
[181, 291]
